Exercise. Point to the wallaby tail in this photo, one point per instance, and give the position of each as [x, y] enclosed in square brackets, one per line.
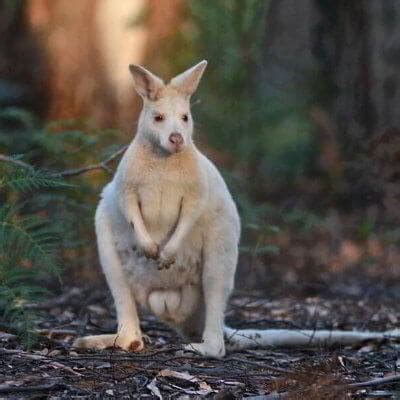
[239, 339]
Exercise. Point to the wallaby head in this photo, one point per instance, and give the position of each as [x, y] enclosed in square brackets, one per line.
[166, 121]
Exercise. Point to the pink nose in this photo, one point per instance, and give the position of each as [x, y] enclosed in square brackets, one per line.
[176, 139]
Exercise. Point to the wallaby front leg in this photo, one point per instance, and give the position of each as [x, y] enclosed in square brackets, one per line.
[190, 211]
[130, 207]
[128, 336]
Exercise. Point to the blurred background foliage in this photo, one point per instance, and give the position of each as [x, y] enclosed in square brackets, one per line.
[297, 108]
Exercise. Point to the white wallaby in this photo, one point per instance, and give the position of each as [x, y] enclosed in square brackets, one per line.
[168, 233]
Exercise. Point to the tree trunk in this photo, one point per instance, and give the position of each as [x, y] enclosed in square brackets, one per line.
[89, 46]
[287, 57]
[358, 46]
[78, 88]
[22, 70]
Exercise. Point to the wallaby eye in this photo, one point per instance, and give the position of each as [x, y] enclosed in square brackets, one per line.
[185, 117]
[159, 117]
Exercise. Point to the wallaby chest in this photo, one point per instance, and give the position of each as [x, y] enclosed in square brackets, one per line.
[160, 201]
[161, 187]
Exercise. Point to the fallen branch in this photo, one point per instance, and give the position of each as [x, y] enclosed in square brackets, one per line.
[376, 382]
[28, 389]
[58, 301]
[103, 165]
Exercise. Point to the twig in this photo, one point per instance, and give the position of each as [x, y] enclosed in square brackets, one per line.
[56, 332]
[58, 301]
[11, 160]
[70, 172]
[357, 385]
[41, 339]
[27, 389]
[260, 365]
[101, 165]
[376, 382]
[272, 396]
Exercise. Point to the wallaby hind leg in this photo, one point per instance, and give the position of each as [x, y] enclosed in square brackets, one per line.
[220, 258]
[129, 336]
[192, 329]
[101, 342]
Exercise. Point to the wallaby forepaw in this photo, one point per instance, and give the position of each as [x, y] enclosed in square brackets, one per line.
[101, 342]
[151, 251]
[166, 259]
[207, 349]
[165, 264]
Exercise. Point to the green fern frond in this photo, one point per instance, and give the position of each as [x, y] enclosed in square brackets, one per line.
[31, 239]
[23, 117]
[13, 298]
[26, 179]
[28, 248]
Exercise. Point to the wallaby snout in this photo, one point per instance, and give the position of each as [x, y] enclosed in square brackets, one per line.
[176, 140]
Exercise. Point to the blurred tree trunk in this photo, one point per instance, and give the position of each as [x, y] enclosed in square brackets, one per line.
[161, 23]
[358, 46]
[287, 57]
[164, 20]
[22, 70]
[89, 46]
[78, 87]
[352, 49]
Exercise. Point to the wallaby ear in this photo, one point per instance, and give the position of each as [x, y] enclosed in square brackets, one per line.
[187, 81]
[146, 84]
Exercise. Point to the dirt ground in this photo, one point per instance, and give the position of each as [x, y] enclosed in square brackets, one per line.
[53, 370]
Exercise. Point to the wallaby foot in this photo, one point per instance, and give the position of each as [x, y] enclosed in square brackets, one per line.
[132, 343]
[214, 350]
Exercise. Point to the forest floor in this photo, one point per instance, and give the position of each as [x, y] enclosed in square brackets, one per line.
[53, 370]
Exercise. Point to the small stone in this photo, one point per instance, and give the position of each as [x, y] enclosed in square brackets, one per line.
[105, 365]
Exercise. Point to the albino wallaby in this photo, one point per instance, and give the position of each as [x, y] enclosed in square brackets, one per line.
[168, 233]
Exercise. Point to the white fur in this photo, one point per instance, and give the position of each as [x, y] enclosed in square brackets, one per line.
[168, 233]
